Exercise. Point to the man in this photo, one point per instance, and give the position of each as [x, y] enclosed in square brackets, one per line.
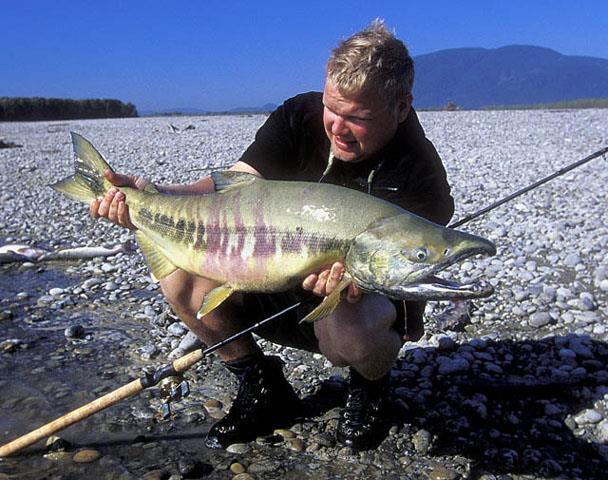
[363, 123]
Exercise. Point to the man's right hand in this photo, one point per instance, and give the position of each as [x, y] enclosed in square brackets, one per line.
[113, 206]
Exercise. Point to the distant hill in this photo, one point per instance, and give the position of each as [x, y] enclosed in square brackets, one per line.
[268, 107]
[516, 74]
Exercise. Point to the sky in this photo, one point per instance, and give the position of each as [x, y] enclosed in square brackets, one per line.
[219, 55]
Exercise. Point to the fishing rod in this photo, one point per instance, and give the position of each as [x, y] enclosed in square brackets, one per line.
[180, 365]
[147, 380]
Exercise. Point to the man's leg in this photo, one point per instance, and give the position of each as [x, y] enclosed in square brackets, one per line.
[185, 293]
[265, 399]
[362, 336]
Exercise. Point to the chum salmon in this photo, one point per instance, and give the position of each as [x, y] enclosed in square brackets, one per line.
[257, 235]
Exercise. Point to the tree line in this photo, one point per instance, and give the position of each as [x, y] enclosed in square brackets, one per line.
[38, 108]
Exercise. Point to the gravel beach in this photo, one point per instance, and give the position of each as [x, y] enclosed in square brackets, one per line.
[515, 389]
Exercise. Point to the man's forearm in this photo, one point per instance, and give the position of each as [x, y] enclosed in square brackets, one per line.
[204, 185]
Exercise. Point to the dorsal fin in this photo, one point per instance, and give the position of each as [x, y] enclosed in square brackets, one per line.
[151, 188]
[229, 179]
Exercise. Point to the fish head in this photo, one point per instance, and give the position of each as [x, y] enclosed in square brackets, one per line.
[399, 256]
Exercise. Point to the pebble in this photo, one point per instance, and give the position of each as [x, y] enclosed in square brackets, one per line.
[602, 432]
[453, 365]
[238, 448]
[422, 440]
[284, 433]
[237, 468]
[156, 474]
[539, 319]
[86, 456]
[296, 444]
[242, 476]
[74, 331]
[442, 473]
[214, 408]
[588, 416]
[55, 444]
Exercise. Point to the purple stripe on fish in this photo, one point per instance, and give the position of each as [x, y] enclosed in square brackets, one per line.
[264, 237]
[292, 242]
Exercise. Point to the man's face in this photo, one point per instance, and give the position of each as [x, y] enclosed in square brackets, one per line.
[359, 126]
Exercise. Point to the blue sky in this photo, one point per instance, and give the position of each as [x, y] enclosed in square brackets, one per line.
[219, 55]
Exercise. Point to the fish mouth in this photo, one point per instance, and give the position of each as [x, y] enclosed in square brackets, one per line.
[436, 288]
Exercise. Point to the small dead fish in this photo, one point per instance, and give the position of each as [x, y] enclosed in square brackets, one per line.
[14, 253]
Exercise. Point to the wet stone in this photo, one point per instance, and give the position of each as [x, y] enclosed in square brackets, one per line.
[242, 476]
[191, 468]
[296, 444]
[441, 472]
[422, 440]
[58, 456]
[264, 465]
[86, 456]
[238, 448]
[156, 475]
[74, 331]
[269, 440]
[214, 408]
[284, 433]
[237, 468]
[56, 444]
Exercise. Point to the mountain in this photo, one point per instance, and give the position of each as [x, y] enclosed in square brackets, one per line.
[268, 107]
[511, 75]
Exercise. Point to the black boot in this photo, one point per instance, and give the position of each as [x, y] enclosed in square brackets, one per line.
[364, 422]
[265, 401]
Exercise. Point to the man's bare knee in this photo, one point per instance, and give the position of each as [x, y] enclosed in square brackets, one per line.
[357, 334]
[184, 291]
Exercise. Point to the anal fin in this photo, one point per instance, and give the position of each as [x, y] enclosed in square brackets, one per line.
[213, 300]
[160, 266]
[329, 303]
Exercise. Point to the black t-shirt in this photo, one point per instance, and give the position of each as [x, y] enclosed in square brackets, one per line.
[292, 145]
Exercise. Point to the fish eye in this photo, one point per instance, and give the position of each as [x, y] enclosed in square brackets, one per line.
[421, 254]
[446, 252]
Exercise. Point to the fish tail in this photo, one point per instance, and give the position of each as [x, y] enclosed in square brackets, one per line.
[88, 181]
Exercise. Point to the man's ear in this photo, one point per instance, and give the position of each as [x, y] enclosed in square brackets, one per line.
[404, 106]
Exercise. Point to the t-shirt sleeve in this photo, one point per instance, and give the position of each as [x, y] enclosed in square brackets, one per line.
[273, 148]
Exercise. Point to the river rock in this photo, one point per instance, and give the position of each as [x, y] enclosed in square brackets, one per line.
[86, 456]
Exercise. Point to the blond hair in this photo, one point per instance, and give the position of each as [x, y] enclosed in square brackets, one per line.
[372, 62]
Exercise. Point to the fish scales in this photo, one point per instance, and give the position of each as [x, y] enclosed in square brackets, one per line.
[279, 238]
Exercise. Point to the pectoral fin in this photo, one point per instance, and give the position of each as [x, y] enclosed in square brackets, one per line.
[213, 299]
[160, 266]
[329, 303]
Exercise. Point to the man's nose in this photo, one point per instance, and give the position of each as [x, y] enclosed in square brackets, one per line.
[338, 126]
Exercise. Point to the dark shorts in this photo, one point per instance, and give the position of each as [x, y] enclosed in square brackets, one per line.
[287, 329]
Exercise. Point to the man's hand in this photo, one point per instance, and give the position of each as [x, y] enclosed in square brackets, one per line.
[113, 206]
[324, 282]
